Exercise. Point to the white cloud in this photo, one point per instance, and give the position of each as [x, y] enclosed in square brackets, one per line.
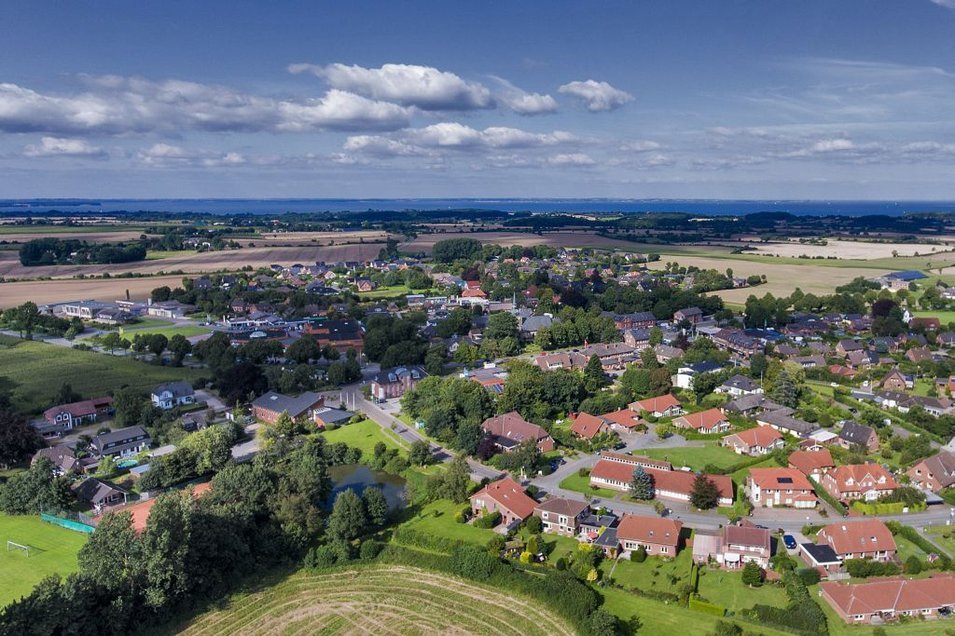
[119, 105]
[571, 159]
[425, 87]
[522, 102]
[640, 146]
[948, 4]
[63, 147]
[598, 96]
[166, 155]
[453, 136]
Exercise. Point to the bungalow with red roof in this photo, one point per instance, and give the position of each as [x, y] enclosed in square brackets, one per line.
[66, 417]
[774, 487]
[864, 539]
[506, 497]
[813, 464]
[708, 421]
[624, 419]
[660, 537]
[859, 481]
[668, 484]
[660, 406]
[510, 430]
[754, 441]
[876, 602]
[587, 426]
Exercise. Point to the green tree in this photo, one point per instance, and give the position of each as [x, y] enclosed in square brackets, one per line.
[420, 453]
[166, 550]
[304, 349]
[376, 506]
[501, 325]
[594, 376]
[35, 490]
[705, 494]
[752, 574]
[180, 348]
[18, 439]
[704, 384]
[641, 485]
[435, 357]
[113, 555]
[111, 341]
[348, 519]
[107, 468]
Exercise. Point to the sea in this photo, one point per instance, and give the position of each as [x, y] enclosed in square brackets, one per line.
[704, 207]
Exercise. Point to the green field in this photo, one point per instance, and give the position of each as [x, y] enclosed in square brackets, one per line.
[944, 317]
[655, 574]
[393, 291]
[158, 255]
[582, 484]
[364, 435]
[35, 370]
[67, 229]
[437, 520]
[53, 551]
[696, 457]
[164, 327]
[380, 599]
[727, 589]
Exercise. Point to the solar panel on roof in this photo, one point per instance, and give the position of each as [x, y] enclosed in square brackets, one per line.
[785, 480]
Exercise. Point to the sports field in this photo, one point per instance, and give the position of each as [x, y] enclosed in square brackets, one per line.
[380, 600]
[35, 370]
[52, 551]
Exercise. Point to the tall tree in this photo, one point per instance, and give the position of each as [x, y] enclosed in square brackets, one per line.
[594, 376]
[348, 519]
[376, 506]
[113, 555]
[18, 440]
[705, 494]
[641, 486]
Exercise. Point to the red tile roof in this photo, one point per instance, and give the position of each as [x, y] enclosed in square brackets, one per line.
[657, 404]
[509, 494]
[763, 436]
[676, 481]
[869, 535]
[624, 417]
[896, 595]
[807, 462]
[587, 426]
[649, 530]
[859, 473]
[704, 420]
[779, 478]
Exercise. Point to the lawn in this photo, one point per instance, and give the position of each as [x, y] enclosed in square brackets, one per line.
[184, 330]
[944, 317]
[656, 574]
[696, 457]
[582, 485]
[379, 599]
[363, 435]
[393, 291]
[53, 551]
[726, 588]
[905, 549]
[943, 537]
[437, 520]
[35, 371]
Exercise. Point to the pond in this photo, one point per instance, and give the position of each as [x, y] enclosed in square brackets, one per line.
[357, 477]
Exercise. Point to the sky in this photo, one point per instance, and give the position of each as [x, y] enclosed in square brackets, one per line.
[737, 99]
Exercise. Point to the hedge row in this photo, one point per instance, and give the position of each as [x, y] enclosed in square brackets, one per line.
[876, 508]
[706, 607]
[414, 539]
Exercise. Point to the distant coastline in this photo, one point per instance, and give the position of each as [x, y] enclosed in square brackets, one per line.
[708, 207]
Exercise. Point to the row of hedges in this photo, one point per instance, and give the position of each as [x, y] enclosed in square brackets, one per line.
[802, 615]
[877, 508]
[823, 494]
[910, 533]
[706, 607]
[414, 539]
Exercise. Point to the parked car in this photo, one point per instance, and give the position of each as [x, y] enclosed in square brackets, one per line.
[790, 541]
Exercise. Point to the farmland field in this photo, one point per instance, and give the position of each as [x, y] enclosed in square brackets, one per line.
[35, 371]
[105, 289]
[54, 551]
[379, 600]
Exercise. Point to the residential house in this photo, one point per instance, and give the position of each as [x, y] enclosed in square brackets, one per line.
[340, 334]
[326, 416]
[854, 434]
[919, 354]
[739, 385]
[269, 407]
[660, 406]
[708, 421]
[934, 473]
[895, 380]
[63, 457]
[754, 441]
[665, 353]
[774, 487]
[637, 320]
[658, 536]
[510, 430]
[123, 442]
[845, 346]
[692, 315]
[587, 426]
[393, 383]
[65, 417]
[813, 464]
[506, 497]
[882, 600]
[750, 404]
[784, 422]
[859, 481]
[172, 394]
[685, 374]
[99, 494]
[864, 539]
[624, 419]
[563, 516]
[637, 338]
[668, 484]
[739, 544]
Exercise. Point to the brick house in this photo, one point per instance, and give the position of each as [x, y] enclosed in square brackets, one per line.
[393, 383]
[660, 406]
[744, 543]
[587, 426]
[692, 315]
[896, 381]
[876, 602]
[859, 481]
[560, 515]
[341, 335]
[510, 430]
[865, 539]
[269, 407]
[506, 497]
[754, 441]
[812, 464]
[66, 417]
[677, 485]
[934, 473]
[659, 537]
[774, 487]
[854, 434]
[708, 421]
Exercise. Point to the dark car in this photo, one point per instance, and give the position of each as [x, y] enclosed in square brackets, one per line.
[790, 541]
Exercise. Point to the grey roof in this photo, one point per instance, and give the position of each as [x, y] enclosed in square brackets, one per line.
[855, 433]
[535, 323]
[120, 435]
[607, 539]
[333, 416]
[781, 419]
[388, 376]
[178, 389]
[295, 406]
[95, 491]
[741, 382]
[821, 553]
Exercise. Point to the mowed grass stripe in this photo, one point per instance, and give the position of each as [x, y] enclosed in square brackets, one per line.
[396, 600]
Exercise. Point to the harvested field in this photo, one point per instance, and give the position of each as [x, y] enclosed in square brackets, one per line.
[126, 234]
[57, 291]
[846, 250]
[379, 600]
[318, 238]
[194, 263]
[425, 242]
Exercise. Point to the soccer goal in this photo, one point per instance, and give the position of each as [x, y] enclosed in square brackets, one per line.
[13, 545]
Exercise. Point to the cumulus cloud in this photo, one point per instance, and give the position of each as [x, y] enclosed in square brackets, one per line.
[424, 87]
[118, 105]
[63, 147]
[522, 102]
[640, 146]
[598, 96]
[948, 4]
[453, 136]
[167, 155]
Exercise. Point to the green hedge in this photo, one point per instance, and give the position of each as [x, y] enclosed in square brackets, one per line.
[823, 494]
[706, 607]
[876, 508]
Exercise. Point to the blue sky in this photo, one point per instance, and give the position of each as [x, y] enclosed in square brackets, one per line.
[734, 99]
